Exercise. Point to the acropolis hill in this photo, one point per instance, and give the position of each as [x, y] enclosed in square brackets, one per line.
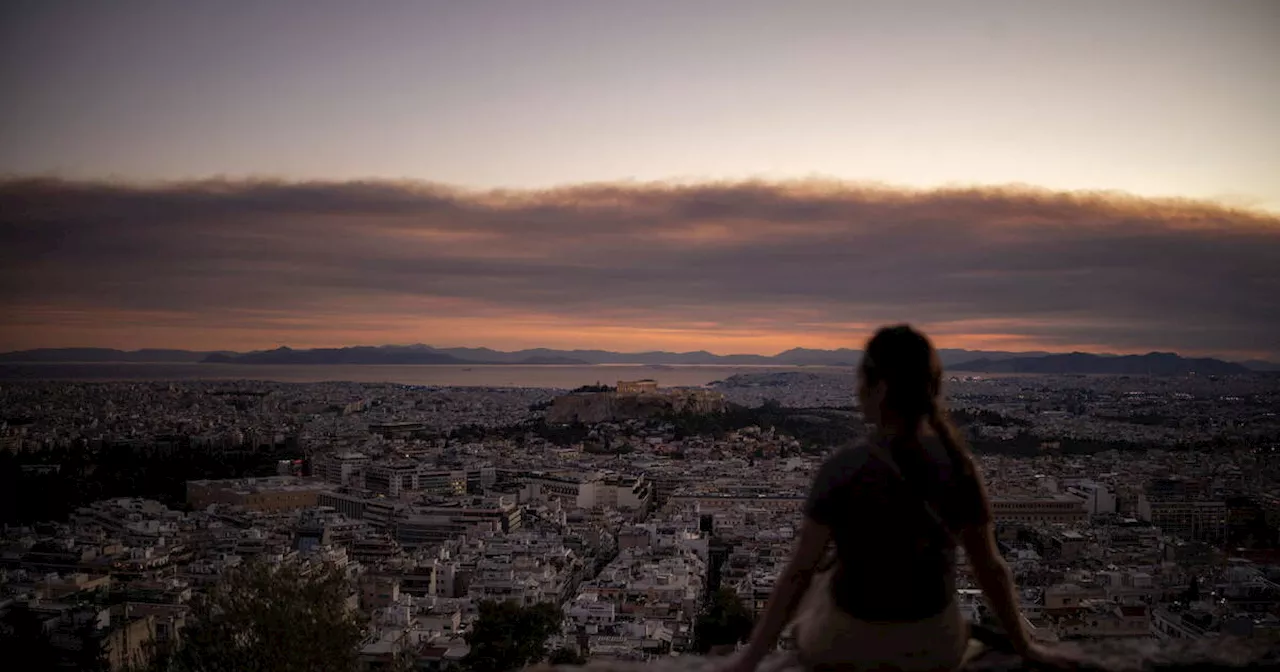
[632, 400]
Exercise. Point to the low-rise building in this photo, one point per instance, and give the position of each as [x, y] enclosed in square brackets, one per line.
[1052, 509]
[272, 493]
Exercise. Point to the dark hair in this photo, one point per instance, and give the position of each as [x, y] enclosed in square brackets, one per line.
[907, 363]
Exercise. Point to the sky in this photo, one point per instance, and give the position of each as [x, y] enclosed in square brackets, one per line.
[736, 176]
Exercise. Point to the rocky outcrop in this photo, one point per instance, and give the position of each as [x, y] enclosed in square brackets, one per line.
[593, 407]
[1117, 656]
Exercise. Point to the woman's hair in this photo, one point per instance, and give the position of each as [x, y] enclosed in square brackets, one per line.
[908, 365]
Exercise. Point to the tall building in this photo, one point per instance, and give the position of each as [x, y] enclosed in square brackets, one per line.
[1181, 507]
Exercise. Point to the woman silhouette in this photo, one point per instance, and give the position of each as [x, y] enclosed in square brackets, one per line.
[895, 507]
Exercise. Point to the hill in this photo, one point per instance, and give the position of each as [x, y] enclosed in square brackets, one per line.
[94, 355]
[366, 355]
[953, 359]
[1154, 363]
[792, 357]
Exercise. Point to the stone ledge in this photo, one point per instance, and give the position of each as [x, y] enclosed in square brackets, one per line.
[1099, 656]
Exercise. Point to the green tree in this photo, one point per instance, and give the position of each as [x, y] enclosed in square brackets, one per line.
[265, 618]
[510, 636]
[724, 620]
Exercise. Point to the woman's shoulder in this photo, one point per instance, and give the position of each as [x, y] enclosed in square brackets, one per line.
[936, 452]
[834, 481]
[845, 463]
[951, 469]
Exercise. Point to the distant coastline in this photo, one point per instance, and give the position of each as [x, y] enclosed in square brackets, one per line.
[1155, 363]
[444, 375]
[432, 375]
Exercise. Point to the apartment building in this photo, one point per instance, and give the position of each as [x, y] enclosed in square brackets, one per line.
[588, 490]
[712, 502]
[448, 482]
[625, 493]
[339, 468]
[439, 521]
[391, 479]
[377, 511]
[1195, 521]
[1181, 507]
[1053, 509]
[1098, 498]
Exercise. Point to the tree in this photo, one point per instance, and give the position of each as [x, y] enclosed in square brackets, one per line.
[92, 654]
[22, 637]
[592, 388]
[510, 636]
[267, 618]
[723, 621]
[566, 656]
[404, 661]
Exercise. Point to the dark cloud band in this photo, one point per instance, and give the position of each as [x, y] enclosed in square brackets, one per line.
[1055, 268]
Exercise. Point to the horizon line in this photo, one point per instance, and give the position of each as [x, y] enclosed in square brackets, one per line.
[1029, 353]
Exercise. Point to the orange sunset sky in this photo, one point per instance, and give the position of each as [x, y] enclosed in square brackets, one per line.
[733, 176]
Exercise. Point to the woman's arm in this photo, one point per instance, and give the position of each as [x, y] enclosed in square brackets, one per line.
[789, 589]
[996, 581]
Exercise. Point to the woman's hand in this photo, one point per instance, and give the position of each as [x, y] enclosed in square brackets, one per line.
[1049, 658]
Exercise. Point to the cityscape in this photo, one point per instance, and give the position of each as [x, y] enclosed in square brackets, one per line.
[662, 336]
[1129, 507]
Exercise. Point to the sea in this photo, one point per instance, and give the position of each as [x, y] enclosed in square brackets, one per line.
[447, 375]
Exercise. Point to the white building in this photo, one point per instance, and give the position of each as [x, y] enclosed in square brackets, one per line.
[1098, 498]
[339, 468]
[573, 490]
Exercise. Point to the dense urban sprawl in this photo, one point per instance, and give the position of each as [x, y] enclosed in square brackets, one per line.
[1128, 507]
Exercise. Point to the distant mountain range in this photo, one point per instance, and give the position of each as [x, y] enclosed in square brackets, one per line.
[67, 355]
[1259, 365]
[955, 360]
[424, 354]
[1155, 364]
[387, 354]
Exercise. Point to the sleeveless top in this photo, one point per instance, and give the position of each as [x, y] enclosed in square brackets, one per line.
[896, 563]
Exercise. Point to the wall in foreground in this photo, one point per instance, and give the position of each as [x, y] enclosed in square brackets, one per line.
[1096, 656]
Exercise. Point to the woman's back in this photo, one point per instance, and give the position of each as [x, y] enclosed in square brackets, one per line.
[894, 510]
[897, 563]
